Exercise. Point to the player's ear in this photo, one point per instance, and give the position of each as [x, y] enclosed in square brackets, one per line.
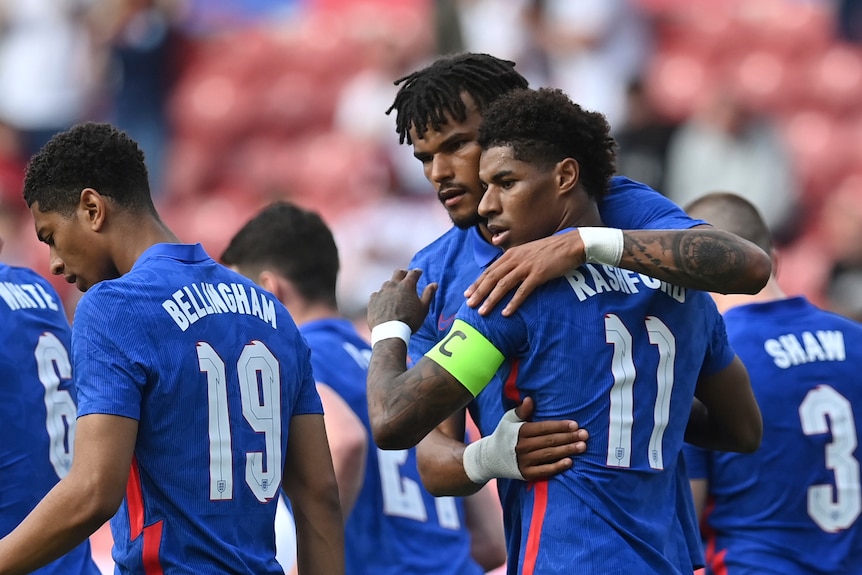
[92, 203]
[277, 285]
[567, 173]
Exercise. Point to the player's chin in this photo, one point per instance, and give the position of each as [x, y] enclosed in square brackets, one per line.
[465, 220]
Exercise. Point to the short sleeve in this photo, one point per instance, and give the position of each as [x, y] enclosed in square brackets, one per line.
[107, 366]
[719, 352]
[630, 205]
[307, 400]
[696, 461]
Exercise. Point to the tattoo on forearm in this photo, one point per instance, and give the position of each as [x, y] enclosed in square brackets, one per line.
[411, 403]
[688, 258]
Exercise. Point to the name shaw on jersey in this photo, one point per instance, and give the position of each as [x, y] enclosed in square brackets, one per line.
[617, 279]
[26, 296]
[197, 300]
[786, 350]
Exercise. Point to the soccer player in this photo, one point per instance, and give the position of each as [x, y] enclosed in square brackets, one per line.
[196, 401]
[439, 109]
[395, 526]
[793, 506]
[37, 404]
[621, 353]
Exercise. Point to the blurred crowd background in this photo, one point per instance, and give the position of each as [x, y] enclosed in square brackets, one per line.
[237, 102]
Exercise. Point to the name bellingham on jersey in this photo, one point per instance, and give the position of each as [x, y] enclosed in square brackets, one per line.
[197, 300]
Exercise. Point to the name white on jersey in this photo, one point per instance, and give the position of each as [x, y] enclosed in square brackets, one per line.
[26, 296]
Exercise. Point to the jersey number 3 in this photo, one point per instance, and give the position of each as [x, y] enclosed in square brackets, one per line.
[260, 392]
[824, 410]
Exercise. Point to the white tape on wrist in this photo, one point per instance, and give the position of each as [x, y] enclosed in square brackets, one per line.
[494, 455]
[603, 245]
[390, 329]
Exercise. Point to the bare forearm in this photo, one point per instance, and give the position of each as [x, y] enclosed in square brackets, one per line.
[404, 406]
[62, 520]
[441, 466]
[319, 536]
[701, 258]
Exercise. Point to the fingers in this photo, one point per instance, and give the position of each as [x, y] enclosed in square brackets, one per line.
[398, 275]
[428, 293]
[525, 289]
[525, 410]
[537, 472]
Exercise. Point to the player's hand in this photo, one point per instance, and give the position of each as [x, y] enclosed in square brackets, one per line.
[397, 300]
[545, 448]
[530, 265]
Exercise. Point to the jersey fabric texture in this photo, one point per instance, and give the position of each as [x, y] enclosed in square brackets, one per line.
[458, 257]
[37, 404]
[620, 353]
[213, 369]
[793, 506]
[396, 527]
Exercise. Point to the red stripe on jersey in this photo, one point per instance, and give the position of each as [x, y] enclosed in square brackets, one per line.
[510, 389]
[135, 501]
[540, 505]
[152, 544]
[715, 560]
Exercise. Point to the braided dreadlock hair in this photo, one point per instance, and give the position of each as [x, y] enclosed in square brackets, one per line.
[428, 94]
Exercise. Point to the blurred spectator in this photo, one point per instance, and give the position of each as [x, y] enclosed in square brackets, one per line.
[48, 67]
[849, 20]
[392, 45]
[139, 35]
[724, 146]
[826, 264]
[595, 48]
[643, 139]
[498, 27]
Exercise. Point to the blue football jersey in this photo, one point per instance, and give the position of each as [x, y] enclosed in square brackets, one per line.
[37, 404]
[213, 368]
[620, 353]
[793, 506]
[457, 258]
[396, 527]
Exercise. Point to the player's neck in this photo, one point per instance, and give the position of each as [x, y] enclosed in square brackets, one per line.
[303, 313]
[137, 237]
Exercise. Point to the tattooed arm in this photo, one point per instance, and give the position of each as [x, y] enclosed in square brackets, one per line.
[701, 258]
[404, 405]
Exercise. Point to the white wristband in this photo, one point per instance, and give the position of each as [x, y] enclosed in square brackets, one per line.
[603, 245]
[494, 455]
[389, 329]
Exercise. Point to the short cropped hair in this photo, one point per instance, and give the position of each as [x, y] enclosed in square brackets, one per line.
[88, 155]
[733, 213]
[544, 127]
[428, 94]
[292, 242]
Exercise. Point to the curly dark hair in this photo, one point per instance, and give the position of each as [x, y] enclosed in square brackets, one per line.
[428, 94]
[544, 127]
[293, 242]
[88, 155]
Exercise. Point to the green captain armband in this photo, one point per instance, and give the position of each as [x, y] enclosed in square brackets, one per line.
[468, 356]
